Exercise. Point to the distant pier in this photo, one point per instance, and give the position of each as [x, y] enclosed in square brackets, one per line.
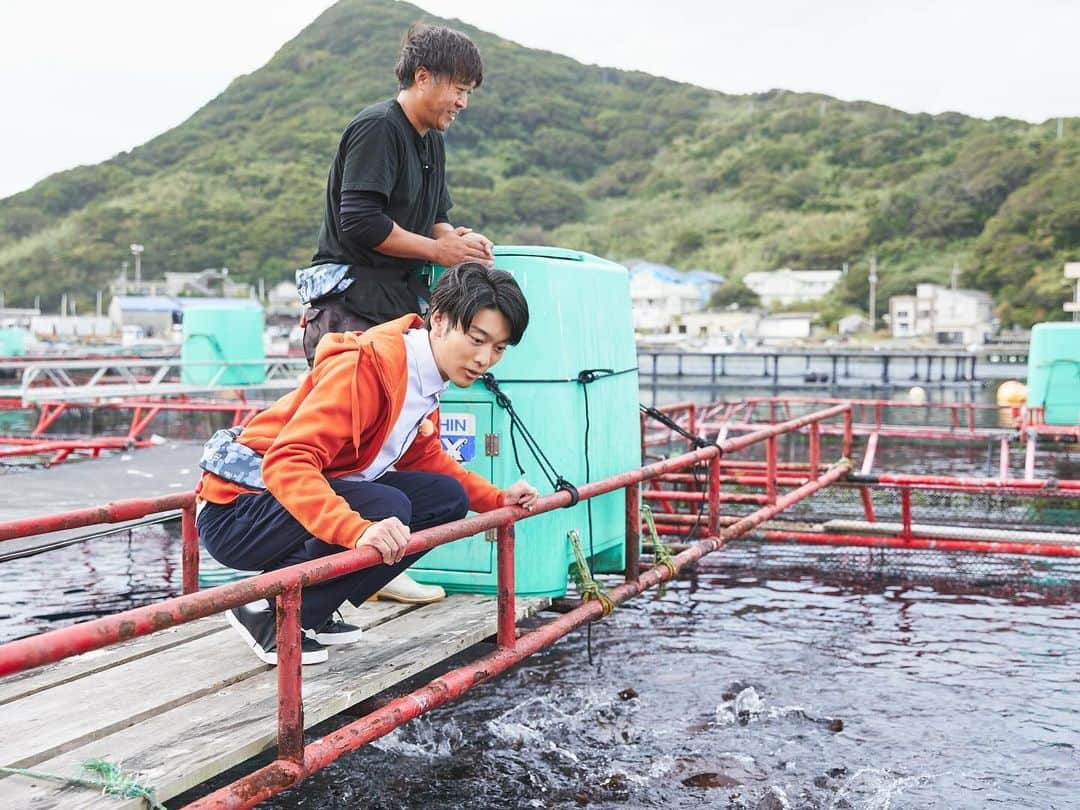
[666, 368]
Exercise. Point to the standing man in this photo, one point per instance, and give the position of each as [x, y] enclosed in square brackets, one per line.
[352, 457]
[386, 210]
[387, 203]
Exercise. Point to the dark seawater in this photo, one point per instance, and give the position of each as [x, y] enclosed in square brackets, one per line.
[946, 700]
[771, 677]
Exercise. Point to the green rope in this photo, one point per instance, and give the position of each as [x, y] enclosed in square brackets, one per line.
[588, 587]
[661, 552]
[109, 778]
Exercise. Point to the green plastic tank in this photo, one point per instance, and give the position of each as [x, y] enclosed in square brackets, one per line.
[1054, 372]
[227, 332]
[13, 341]
[580, 320]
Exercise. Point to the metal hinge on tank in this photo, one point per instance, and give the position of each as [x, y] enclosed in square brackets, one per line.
[491, 444]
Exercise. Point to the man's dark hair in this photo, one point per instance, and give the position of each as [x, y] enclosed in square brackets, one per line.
[443, 51]
[469, 287]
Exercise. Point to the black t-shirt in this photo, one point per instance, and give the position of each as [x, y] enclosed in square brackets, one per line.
[381, 152]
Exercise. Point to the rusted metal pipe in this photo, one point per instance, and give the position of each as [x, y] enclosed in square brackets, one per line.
[921, 543]
[189, 549]
[115, 512]
[290, 727]
[633, 531]
[507, 612]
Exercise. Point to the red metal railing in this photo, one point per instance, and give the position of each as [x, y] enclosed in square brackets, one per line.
[296, 761]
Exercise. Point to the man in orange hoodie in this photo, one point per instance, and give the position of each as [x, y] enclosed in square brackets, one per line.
[352, 457]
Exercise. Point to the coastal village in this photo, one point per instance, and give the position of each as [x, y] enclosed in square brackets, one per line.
[671, 308]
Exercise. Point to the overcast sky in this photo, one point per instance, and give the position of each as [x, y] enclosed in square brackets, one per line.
[81, 80]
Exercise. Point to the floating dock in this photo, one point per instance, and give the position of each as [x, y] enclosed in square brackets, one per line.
[180, 706]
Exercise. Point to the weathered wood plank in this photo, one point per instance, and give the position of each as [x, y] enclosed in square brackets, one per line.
[35, 680]
[44, 724]
[181, 748]
[69, 669]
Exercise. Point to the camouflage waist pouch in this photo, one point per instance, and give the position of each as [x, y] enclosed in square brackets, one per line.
[312, 283]
[227, 458]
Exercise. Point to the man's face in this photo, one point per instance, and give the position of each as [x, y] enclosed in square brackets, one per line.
[463, 355]
[442, 98]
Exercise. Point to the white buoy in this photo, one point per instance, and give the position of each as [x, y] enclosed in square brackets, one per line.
[917, 395]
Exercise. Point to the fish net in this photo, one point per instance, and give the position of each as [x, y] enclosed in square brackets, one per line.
[982, 516]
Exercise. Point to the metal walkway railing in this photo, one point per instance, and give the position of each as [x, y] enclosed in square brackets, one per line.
[95, 381]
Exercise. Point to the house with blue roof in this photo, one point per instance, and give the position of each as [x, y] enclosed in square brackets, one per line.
[661, 294]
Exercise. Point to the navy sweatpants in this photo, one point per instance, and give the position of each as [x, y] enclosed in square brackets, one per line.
[256, 533]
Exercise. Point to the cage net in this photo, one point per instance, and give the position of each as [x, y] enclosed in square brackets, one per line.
[982, 515]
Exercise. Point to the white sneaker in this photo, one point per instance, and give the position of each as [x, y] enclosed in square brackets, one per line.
[404, 588]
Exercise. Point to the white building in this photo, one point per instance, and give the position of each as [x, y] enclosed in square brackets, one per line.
[786, 286]
[155, 315]
[728, 330]
[786, 327]
[662, 294]
[946, 315]
[70, 326]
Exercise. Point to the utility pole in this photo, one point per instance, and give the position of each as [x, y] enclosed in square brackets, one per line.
[873, 293]
[98, 310]
[137, 251]
[1061, 128]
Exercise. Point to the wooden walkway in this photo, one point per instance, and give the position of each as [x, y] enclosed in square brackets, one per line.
[165, 469]
[182, 705]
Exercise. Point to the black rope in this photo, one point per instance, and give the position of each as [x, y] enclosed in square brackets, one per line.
[698, 442]
[554, 478]
[670, 423]
[584, 377]
[596, 374]
[557, 481]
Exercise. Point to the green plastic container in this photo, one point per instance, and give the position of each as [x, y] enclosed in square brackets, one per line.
[223, 333]
[580, 319]
[13, 341]
[1054, 371]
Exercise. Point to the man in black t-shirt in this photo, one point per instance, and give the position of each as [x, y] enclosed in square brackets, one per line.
[387, 207]
[387, 203]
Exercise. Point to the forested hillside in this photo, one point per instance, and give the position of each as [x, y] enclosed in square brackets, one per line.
[618, 163]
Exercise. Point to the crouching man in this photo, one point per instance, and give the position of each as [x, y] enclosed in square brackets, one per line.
[352, 457]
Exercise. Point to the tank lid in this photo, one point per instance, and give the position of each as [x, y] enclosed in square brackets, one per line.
[540, 251]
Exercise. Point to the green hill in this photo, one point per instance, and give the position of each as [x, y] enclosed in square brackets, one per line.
[618, 163]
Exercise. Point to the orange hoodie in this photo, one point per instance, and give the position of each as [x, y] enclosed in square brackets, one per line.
[334, 424]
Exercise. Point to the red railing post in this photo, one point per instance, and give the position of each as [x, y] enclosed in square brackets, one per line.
[770, 470]
[633, 531]
[290, 734]
[714, 495]
[815, 448]
[867, 503]
[905, 512]
[189, 549]
[845, 451]
[507, 635]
